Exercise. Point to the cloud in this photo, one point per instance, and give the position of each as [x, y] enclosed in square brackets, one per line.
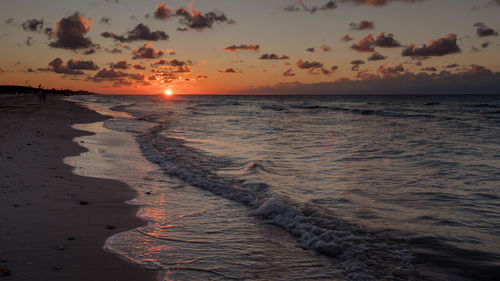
[162, 12]
[229, 70]
[376, 56]
[140, 32]
[330, 5]
[472, 80]
[243, 47]
[82, 64]
[318, 71]
[386, 41]
[453, 65]
[439, 47]
[362, 25]
[70, 33]
[89, 52]
[273, 56]
[356, 64]
[9, 21]
[379, 3]
[73, 67]
[429, 68]
[33, 25]
[485, 44]
[311, 50]
[108, 75]
[121, 64]
[483, 30]
[105, 20]
[190, 17]
[346, 38]
[390, 70]
[289, 73]
[364, 45]
[139, 66]
[119, 78]
[147, 51]
[325, 48]
[306, 64]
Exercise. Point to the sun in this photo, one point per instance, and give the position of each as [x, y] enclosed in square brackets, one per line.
[168, 92]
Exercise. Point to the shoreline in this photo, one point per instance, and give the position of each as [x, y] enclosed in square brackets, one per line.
[54, 222]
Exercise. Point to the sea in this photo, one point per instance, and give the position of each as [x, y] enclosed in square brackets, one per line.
[303, 187]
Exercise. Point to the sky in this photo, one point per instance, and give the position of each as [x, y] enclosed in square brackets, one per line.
[257, 46]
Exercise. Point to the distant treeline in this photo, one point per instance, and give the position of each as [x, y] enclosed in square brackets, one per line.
[12, 90]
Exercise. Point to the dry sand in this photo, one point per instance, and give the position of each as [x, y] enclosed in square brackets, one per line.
[54, 223]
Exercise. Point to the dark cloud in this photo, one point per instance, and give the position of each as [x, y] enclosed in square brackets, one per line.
[229, 70]
[139, 66]
[364, 45]
[289, 73]
[330, 5]
[485, 45]
[108, 75]
[429, 68]
[70, 33]
[82, 65]
[33, 25]
[119, 78]
[439, 47]
[311, 50]
[243, 47]
[30, 70]
[147, 51]
[140, 32]
[482, 30]
[105, 20]
[57, 65]
[307, 65]
[386, 41]
[376, 56]
[190, 17]
[9, 21]
[453, 65]
[273, 56]
[356, 64]
[362, 25]
[346, 38]
[121, 64]
[89, 52]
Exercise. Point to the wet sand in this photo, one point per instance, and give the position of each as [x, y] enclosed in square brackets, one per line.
[53, 222]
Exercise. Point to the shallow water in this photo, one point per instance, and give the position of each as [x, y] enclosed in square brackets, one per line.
[356, 188]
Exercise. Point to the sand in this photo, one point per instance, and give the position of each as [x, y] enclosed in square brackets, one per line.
[54, 223]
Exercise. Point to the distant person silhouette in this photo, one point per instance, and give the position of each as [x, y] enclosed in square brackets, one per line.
[40, 99]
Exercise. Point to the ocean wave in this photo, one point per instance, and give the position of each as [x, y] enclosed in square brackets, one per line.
[274, 107]
[362, 255]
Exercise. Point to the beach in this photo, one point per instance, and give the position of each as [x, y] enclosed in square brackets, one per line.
[53, 222]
